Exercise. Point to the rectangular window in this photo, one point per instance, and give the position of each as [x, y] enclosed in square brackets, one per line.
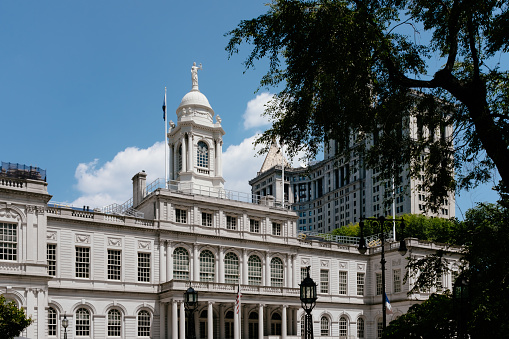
[379, 284]
[343, 283]
[82, 262]
[254, 225]
[180, 216]
[324, 281]
[303, 273]
[206, 219]
[8, 241]
[276, 228]
[143, 267]
[231, 222]
[396, 280]
[51, 255]
[114, 264]
[360, 283]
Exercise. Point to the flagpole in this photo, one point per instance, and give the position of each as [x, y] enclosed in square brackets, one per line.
[165, 143]
[283, 172]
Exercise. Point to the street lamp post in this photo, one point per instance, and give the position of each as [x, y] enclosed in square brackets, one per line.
[65, 323]
[461, 301]
[363, 248]
[308, 299]
[190, 303]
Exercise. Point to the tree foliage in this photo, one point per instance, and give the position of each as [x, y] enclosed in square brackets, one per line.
[12, 319]
[433, 319]
[351, 74]
[416, 226]
[484, 235]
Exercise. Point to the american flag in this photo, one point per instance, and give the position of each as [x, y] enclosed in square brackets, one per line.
[237, 301]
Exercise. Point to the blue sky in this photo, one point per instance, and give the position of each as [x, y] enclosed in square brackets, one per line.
[82, 83]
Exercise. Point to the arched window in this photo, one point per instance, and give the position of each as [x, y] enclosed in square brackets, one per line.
[52, 322]
[360, 328]
[275, 324]
[180, 264]
[254, 270]
[231, 268]
[324, 326]
[207, 266]
[203, 324]
[343, 327]
[202, 154]
[143, 324]
[276, 272]
[114, 323]
[82, 322]
[379, 327]
[302, 325]
[253, 325]
[229, 325]
[8, 241]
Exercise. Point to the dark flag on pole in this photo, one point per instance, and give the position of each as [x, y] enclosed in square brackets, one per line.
[164, 107]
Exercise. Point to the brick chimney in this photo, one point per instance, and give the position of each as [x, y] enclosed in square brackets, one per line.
[139, 186]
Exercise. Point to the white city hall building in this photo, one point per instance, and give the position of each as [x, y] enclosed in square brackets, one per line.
[121, 272]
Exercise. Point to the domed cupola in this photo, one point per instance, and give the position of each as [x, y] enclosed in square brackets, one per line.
[195, 141]
[195, 105]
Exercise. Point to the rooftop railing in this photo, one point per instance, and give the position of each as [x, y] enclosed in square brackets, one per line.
[20, 171]
[371, 241]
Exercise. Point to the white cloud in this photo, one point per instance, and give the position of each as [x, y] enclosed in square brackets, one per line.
[111, 182]
[253, 115]
[102, 185]
[240, 164]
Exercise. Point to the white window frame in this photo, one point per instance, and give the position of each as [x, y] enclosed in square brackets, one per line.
[231, 222]
[144, 271]
[181, 215]
[114, 266]
[343, 283]
[324, 281]
[82, 265]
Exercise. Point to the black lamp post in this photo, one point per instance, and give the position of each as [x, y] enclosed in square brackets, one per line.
[308, 299]
[402, 250]
[65, 323]
[190, 303]
[460, 301]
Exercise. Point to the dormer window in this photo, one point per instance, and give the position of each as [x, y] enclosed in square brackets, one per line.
[202, 155]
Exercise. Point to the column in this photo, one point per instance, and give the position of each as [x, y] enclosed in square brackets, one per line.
[184, 154]
[260, 321]
[175, 162]
[267, 269]
[284, 323]
[289, 281]
[171, 164]
[162, 266]
[294, 265]
[41, 313]
[196, 263]
[210, 321]
[169, 261]
[182, 321]
[190, 152]
[220, 159]
[221, 264]
[174, 320]
[30, 304]
[244, 267]
[162, 317]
